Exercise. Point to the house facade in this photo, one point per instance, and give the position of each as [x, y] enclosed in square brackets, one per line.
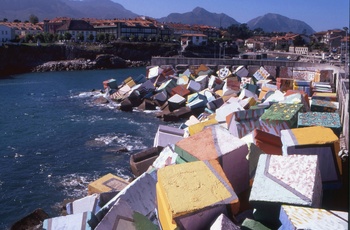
[141, 27]
[331, 38]
[79, 30]
[23, 29]
[178, 29]
[195, 39]
[299, 50]
[6, 33]
[51, 26]
[11, 30]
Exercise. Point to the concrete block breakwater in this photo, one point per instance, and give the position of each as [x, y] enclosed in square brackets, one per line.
[240, 142]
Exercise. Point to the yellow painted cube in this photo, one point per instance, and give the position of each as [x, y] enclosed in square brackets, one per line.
[107, 183]
[198, 190]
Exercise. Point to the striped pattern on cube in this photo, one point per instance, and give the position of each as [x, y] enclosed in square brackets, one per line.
[240, 123]
[280, 116]
[135, 196]
[83, 221]
[85, 204]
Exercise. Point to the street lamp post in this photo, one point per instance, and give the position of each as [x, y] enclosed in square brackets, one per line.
[346, 52]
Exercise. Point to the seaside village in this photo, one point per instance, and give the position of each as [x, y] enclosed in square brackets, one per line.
[253, 152]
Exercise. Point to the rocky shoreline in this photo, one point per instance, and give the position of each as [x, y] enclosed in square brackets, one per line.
[101, 62]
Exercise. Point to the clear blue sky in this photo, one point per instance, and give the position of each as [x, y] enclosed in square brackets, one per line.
[319, 14]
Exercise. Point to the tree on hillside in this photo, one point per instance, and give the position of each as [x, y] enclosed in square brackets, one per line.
[258, 31]
[33, 19]
[240, 31]
[298, 41]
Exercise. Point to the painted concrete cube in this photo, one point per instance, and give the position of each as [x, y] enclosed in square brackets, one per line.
[107, 183]
[167, 135]
[294, 217]
[325, 119]
[324, 106]
[223, 223]
[280, 116]
[192, 195]
[294, 180]
[217, 143]
[315, 140]
[85, 220]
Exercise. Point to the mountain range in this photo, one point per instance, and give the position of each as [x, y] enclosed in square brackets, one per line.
[107, 9]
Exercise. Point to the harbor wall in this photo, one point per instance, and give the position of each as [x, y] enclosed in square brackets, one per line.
[233, 62]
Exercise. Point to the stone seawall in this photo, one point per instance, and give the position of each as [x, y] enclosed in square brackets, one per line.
[23, 58]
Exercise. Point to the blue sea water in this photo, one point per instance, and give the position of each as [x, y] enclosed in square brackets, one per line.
[54, 140]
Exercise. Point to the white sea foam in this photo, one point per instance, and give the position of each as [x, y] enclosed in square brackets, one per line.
[106, 139]
[90, 119]
[73, 185]
[17, 155]
[123, 140]
[121, 172]
[87, 94]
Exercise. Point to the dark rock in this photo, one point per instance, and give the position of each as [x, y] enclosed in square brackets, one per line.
[118, 62]
[101, 100]
[147, 105]
[117, 150]
[181, 113]
[33, 221]
[126, 105]
[109, 61]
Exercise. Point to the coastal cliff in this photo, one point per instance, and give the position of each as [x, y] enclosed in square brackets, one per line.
[16, 59]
